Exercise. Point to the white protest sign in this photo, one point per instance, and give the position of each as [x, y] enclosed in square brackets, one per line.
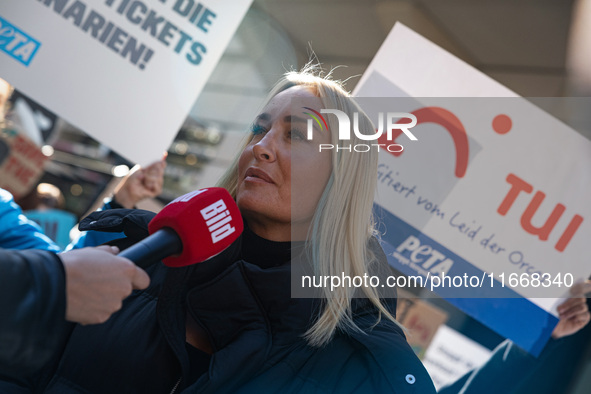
[451, 355]
[21, 162]
[494, 194]
[125, 71]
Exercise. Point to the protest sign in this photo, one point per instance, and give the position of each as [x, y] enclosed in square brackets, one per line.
[451, 355]
[126, 72]
[489, 204]
[421, 319]
[21, 162]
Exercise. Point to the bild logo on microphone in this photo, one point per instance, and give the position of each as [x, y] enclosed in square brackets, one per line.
[218, 220]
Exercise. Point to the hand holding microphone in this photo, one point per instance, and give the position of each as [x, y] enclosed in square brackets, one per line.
[191, 229]
[96, 283]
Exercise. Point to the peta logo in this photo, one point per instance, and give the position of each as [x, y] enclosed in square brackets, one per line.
[16, 43]
[425, 256]
[345, 129]
[218, 220]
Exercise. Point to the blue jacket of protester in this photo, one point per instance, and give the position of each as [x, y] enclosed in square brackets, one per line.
[255, 329]
[18, 232]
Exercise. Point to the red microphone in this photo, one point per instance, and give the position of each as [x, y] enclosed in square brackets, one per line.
[191, 229]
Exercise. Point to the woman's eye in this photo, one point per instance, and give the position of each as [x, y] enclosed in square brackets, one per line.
[295, 134]
[256, 129]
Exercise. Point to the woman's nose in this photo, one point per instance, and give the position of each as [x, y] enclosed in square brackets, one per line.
[266, 148]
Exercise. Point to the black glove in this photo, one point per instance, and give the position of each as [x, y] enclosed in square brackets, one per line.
[132, 222]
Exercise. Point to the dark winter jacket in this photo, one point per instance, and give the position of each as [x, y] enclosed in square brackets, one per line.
[242, 300]
[32, 309]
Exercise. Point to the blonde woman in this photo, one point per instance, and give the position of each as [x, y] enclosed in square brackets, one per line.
[230, 324]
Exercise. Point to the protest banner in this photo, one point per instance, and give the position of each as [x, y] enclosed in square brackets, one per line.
[126, 72]
[421, 319]
[451, 355]
[21, 162]
[489, 204]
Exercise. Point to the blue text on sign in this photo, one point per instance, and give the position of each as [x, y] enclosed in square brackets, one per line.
[17, 43]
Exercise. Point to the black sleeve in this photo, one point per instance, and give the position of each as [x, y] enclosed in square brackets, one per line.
[32, 309]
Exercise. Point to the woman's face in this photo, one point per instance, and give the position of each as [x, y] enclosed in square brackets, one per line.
[266, 179]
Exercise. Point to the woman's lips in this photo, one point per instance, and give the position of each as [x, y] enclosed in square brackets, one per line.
[254, 174]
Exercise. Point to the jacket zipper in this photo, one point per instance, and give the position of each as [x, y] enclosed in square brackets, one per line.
[176, 385]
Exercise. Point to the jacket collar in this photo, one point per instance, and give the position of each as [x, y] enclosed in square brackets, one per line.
[245, 310]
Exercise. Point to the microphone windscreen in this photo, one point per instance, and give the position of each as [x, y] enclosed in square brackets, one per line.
[206, 220]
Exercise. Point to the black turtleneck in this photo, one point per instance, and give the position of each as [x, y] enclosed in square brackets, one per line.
[262, 252]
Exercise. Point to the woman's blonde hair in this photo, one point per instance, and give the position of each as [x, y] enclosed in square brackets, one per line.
[342, 224]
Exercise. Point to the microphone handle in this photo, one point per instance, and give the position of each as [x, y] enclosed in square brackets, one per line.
[163, 243]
